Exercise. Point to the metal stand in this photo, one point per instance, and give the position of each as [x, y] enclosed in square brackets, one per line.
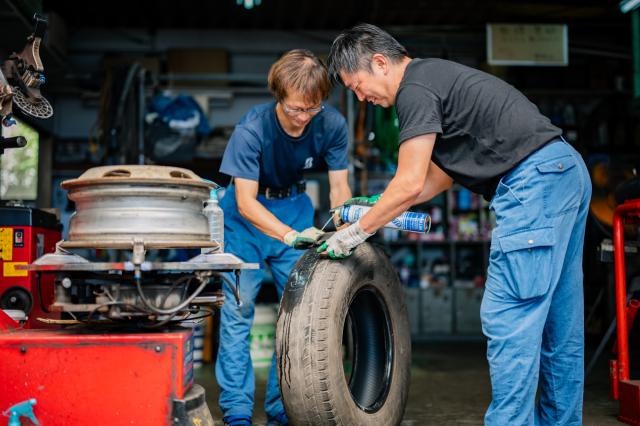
[622, 388]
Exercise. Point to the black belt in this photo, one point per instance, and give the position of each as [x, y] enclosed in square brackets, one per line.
[271, 193]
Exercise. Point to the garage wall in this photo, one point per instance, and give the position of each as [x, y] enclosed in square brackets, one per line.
[250, 53]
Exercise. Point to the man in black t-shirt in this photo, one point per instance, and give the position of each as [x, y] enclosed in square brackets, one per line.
[460, 124]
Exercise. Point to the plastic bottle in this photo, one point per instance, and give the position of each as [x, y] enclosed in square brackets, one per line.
[407, 221]
[215, 216]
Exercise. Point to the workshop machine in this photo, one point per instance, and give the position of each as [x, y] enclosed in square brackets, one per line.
[122, 351]
[96, 329]
[25, 233]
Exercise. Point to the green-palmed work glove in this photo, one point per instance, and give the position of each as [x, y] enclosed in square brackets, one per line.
[304, 239]
[342, 243]
[363, 201]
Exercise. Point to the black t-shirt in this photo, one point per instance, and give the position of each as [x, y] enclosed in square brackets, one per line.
[485, 126]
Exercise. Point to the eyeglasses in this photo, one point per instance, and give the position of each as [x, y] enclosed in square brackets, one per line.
[296, 111]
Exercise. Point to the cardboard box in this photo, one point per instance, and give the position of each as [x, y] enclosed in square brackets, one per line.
[197, 61]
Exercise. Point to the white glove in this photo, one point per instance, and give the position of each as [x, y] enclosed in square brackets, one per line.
[342, 243]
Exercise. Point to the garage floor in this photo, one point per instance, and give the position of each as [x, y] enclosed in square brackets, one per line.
[450, 386]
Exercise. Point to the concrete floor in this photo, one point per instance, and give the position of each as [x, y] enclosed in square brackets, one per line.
[449, 386]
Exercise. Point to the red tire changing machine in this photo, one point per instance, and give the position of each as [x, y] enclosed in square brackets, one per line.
[92, 350]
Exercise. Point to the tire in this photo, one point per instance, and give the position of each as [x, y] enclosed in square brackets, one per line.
[333, 312]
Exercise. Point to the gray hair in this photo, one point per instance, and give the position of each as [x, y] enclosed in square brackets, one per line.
[352, 50]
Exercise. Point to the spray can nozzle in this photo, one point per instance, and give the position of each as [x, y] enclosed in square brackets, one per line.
[213, 194]
[24, 408]
[215, 185]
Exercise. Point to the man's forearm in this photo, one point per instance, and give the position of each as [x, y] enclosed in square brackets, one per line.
[339, 190]
[396, 199]
[337, 196]
[414, 158]
[429, 192]
[436, 182]
[263, 219]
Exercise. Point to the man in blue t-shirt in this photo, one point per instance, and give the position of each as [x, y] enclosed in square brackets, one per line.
[267, 213]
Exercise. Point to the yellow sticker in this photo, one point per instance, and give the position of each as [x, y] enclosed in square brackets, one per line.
[9, 269]
[6, 243]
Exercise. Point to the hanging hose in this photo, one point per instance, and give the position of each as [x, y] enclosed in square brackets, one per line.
[89, 321]
[150, 309]
[234, 289]
[175, 309]
[174, 285]
[170, 320]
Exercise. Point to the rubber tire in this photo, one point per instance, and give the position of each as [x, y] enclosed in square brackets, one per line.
[309, 338]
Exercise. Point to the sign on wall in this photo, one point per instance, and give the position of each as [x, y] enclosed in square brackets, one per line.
[528, 44]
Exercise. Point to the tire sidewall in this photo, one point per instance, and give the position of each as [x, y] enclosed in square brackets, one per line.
[322, 311]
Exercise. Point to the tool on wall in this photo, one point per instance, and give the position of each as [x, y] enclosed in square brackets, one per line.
[14, 142]
[23, 76]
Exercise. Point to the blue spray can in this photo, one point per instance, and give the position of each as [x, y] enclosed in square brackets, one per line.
[407, 221]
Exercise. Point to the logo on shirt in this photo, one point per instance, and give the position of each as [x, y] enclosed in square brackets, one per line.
[308, 163]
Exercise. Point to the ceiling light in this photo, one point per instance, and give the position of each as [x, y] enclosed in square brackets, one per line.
[248, 4]
[628, 5]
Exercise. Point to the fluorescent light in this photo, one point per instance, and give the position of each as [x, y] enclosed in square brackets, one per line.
[628, 5]
[249, 4]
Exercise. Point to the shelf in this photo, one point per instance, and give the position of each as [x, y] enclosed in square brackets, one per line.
[444, 313]
[449, 307]
[464, 211]
[470, 242]
[433, 242]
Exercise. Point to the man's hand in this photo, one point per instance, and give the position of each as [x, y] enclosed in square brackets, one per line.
[337, 219]
[356, 201]
[342, 243]
[304, 239]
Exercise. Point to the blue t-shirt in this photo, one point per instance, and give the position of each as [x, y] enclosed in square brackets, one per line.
[259, 149]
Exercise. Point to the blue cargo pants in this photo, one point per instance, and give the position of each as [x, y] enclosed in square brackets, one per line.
[234, 371]
[532, 309]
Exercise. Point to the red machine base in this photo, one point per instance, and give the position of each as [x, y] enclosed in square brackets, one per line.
[81, 377]
[629, 394]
